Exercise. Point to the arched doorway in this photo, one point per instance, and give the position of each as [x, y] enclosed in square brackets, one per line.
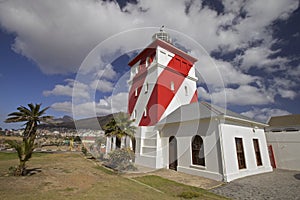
[173, 153]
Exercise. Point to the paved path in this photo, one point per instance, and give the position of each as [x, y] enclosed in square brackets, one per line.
[279, 184]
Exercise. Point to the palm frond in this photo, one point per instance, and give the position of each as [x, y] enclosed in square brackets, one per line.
[15, 119]
[43, 111]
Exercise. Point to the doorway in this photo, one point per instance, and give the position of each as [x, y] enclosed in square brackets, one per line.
[173, 153]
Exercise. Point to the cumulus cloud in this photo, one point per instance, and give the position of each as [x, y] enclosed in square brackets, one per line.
[264, 114]
[102, 85]
[58, 36]
[220, 73]
[243, 95]
[68, 89]
[260, 57]
[107, 105]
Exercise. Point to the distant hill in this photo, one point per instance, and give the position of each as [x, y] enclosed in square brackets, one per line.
[89, 123]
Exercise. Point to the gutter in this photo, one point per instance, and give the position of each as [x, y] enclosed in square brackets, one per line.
[244, 120]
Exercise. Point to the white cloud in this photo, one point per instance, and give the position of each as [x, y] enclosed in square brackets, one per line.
[220, 73]
[111, 104]
[63, 106]
[243, 95]
[102, 85]
[287, 94]
[259, 57]
[264, 114]
[68, 90]
[57, 36]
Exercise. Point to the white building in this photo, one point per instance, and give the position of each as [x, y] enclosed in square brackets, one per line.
[177, 132]
[283, 138]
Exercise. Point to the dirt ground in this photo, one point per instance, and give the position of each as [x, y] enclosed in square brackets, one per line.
[71, 176]
[50, 175]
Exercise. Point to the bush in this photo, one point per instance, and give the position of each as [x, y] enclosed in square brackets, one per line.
[84, 151]
[188, 195]
[121, 159]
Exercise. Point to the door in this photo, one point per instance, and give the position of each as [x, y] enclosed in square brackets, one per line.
[272, 157]
[173, 153]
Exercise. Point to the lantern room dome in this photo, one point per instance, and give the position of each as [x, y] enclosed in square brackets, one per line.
[163, 35]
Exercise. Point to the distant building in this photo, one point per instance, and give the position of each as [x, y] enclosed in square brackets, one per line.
[283, 139]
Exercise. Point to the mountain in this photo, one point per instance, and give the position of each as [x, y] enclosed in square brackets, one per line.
[93, 123]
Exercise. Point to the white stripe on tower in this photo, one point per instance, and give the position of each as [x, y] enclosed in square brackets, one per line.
[154, 72]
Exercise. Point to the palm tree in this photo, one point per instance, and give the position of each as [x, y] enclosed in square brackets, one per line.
[32, 116]
[121, 126]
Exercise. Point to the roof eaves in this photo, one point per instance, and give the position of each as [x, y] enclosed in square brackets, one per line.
[245, 120]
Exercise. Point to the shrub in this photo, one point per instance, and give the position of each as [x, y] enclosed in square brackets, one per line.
[188, 195]
[84, 151]
[121, 159]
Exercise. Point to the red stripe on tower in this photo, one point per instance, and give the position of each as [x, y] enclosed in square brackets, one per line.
[195, 97]
[165, 89]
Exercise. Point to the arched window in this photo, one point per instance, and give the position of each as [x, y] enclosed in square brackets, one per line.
[198, 151]
[172, 86]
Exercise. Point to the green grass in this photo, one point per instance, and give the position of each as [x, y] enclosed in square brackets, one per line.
[176, 189]
[8, 156]
[12, 156]
[105, 170]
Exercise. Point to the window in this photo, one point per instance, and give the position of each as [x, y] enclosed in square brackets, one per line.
[134, 114]
[172, 86]
[240, 153]
[146, 87]
[136, 92]
[257, 152]
[136, 70]
[198, 151]
[162, 52]
[145, 112]
[186, 91]
[148, 61]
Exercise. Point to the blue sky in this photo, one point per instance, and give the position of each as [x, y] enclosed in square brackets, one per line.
[45, 48]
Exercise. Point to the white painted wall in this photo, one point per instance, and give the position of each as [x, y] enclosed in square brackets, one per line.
[286, 148]
[228, 134]
[184, 133]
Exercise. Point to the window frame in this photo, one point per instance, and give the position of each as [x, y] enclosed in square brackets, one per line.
[257, 152]
[197, 149]
[240, 152]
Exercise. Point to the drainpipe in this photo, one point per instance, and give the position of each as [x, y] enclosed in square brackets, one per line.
[221, 148]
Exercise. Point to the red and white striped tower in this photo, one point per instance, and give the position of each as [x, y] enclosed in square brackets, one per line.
[162, 79]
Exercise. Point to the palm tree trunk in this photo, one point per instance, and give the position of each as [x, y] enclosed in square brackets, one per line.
[21, 169]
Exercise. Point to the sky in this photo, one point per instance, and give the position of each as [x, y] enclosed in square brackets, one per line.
[72, 55]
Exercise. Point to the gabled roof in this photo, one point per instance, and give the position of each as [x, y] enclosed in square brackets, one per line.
[165, 45]
[204, 110]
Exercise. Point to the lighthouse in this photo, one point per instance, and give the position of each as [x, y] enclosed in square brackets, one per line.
[175, 131]
[162, 78]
